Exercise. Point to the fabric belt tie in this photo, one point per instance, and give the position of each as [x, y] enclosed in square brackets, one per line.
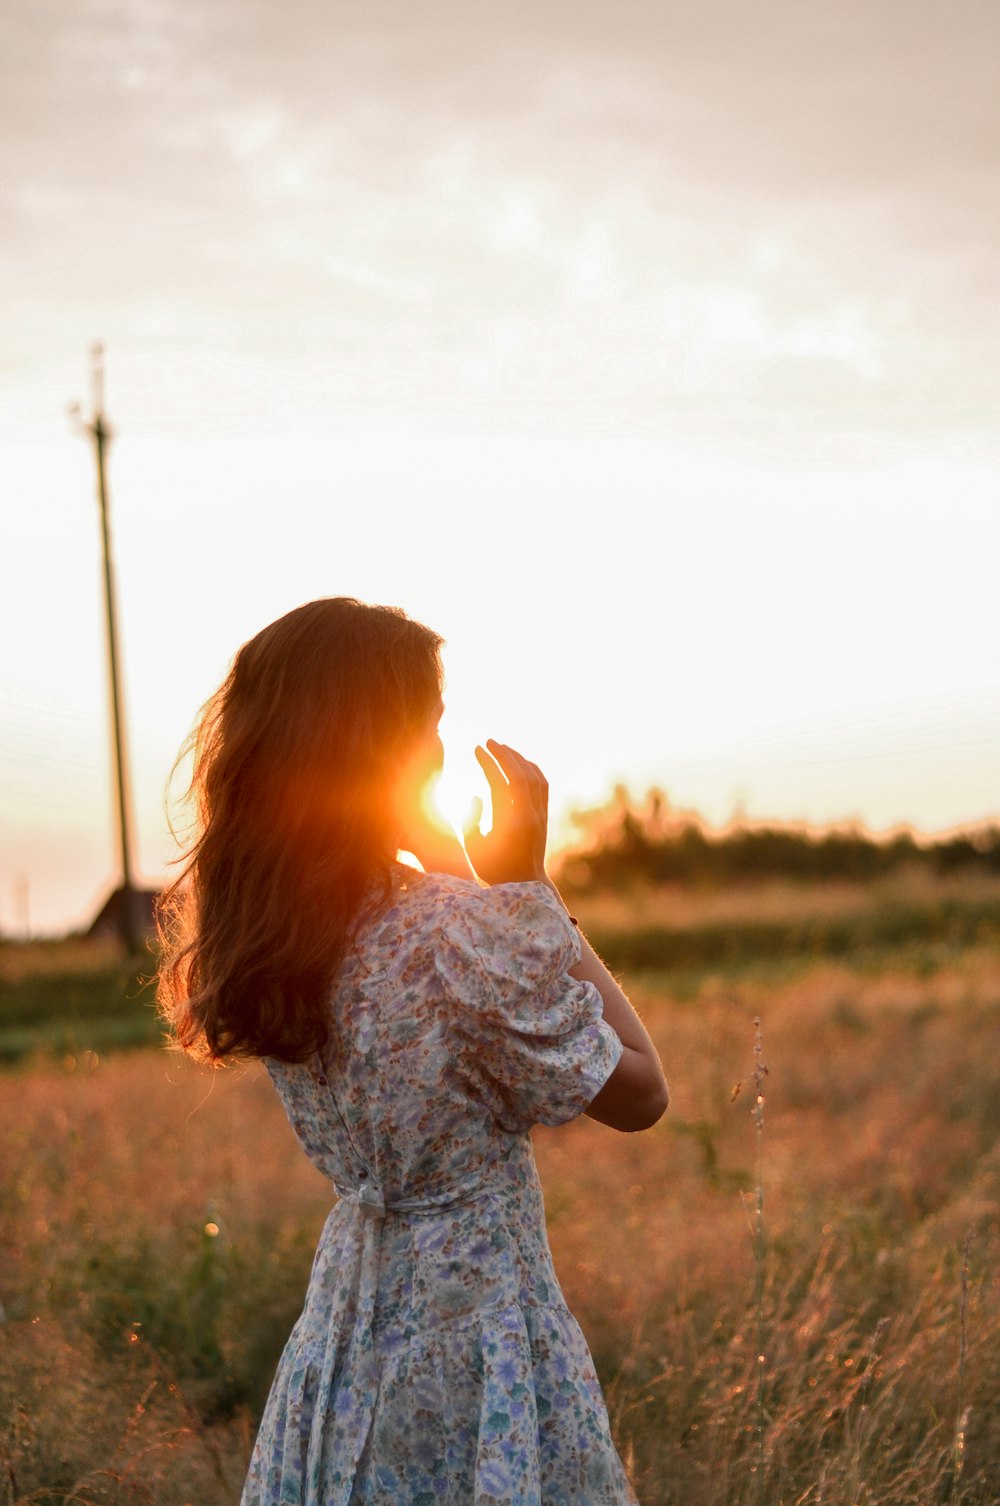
[370, 1202]
[367, 1198]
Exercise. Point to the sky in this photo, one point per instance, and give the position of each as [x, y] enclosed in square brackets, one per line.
[648, 352]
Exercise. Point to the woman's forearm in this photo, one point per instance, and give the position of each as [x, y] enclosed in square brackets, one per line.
[620, 1015]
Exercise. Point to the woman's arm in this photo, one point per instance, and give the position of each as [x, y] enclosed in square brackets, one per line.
[635, 1096]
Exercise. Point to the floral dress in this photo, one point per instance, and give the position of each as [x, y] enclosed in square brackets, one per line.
[435, 1362]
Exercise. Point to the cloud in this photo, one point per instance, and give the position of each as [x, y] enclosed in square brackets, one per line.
[649, 209]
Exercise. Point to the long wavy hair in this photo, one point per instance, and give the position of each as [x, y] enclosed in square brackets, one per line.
[295, 760]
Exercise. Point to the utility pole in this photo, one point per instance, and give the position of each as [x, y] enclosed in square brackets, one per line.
[100, 432]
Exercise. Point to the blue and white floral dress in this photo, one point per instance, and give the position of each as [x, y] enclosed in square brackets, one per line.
[435, 1362]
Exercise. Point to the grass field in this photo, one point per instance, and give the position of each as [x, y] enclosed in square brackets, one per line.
[792, 1301]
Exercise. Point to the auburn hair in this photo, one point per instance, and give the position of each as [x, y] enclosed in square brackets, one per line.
[292, 788]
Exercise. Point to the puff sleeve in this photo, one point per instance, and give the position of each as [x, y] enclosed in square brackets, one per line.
[531, 1043]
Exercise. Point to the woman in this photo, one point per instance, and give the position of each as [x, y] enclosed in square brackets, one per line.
[416, 1025]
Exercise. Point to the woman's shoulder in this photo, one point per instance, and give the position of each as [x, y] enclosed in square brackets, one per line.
[505, 931]
[443, 896]
[455, 925]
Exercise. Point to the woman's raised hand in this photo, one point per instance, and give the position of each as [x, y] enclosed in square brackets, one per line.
[514, 850]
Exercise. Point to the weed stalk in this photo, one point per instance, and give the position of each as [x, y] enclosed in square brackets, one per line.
[760, 1365]
[961, 1410]
[857, 1474]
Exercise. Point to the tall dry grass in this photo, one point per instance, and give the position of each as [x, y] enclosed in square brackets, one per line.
[159, 1225]
[880, 1161]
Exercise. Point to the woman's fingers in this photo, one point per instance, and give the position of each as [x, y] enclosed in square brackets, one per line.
[512, 777]
[527, 782]
[499, 788]
[516, 767]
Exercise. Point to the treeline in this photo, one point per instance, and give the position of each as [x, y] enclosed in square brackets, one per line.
[626, 842]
